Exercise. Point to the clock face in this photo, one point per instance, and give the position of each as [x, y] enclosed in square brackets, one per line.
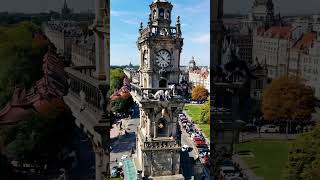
[163, 58]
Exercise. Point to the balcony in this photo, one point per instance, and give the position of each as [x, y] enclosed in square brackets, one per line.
[155, 31]
[154, 94]
[81, 79]
[152, 145]
[160, 142]
[85, 98]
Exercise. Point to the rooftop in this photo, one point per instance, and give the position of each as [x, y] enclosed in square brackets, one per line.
[282, 32]
[306, 40]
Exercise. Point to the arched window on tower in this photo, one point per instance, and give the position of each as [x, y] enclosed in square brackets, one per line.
[162, 83]
[167, 16]
[162, 128]
[161, 13]
[145, 83]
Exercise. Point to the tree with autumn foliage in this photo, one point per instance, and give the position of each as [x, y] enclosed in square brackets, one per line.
[199, 93]
[288, 98]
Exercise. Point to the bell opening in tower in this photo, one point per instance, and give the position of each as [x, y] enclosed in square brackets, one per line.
[161, 13]
[162, 83]
[162, 130]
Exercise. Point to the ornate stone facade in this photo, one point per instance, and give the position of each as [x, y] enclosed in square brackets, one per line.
[158, 135]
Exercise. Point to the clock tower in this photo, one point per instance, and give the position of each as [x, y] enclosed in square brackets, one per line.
[160, 46]
[158, 143]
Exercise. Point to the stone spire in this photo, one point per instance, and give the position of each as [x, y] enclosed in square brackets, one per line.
[178, 27]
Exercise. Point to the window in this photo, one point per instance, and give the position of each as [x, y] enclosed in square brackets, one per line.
[162, 83]
[162, 128]
[161, 13]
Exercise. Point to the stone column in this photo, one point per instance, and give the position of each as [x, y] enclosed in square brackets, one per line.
[98, 160]
[149, 129]
[101, 163]
[98, 15]
[100, 56]
[217, 30]
[172, 164]
[150, 83]
[154, 129]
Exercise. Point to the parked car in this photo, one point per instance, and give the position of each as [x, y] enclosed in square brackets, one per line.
[193, 135]
[270, 129]
[181, 114]
[250, 128]
[228, 171]
[202, 145]
[203, 150]
[184, 120]
[197, 139]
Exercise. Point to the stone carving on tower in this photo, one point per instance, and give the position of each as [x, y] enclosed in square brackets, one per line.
[158, 135]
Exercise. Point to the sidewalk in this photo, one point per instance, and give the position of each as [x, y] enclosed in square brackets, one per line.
[245, 169]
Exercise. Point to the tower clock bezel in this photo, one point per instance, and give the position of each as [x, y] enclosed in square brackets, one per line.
[163, 62]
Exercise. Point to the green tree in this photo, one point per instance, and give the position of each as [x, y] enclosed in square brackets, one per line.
[116, 79]
[304, 156]
[122, 105]
[205, 113]
[21, 52]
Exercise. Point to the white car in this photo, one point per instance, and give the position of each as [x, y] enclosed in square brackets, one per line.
[193, 135]
[270, 129]
[124, 157]
[184, 147]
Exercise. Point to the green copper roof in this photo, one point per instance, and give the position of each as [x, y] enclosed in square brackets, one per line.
[130, 172]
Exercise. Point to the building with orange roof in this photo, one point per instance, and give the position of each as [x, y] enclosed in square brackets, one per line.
[45, 93]
[305, 60]
[272, 46]
[199, 76]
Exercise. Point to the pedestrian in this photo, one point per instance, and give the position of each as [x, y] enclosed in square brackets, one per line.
[116, 160]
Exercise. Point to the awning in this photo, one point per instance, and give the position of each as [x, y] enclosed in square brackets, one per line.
[130, 172]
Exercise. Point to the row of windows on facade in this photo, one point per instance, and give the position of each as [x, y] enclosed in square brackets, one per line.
[272, 42]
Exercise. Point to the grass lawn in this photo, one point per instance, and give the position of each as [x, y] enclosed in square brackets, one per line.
[194, 111]
[270, 157]
[205, 129]
[116, 178]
